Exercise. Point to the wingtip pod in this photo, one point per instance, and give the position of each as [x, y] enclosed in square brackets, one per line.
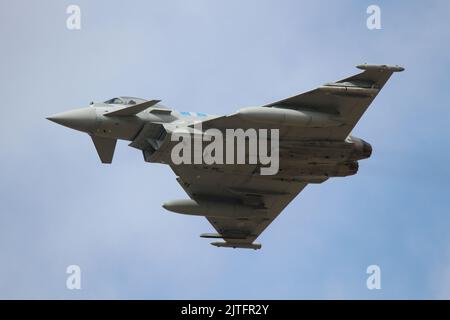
[382, 67]
[255, 246]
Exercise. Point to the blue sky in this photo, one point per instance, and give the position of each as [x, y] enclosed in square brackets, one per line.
[59, 206]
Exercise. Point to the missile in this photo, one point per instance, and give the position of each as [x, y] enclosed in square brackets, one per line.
[308, 171]
[217, 209]
[289, 117]
[349, 90]
[219, 236]
[254, 246]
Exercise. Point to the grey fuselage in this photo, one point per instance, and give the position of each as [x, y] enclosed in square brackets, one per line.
[313, 160]
[93, 121]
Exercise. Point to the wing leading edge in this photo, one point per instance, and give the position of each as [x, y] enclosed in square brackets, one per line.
[267, 196]
[346, 100]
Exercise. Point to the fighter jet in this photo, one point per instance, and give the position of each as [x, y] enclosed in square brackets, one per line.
[314, 144]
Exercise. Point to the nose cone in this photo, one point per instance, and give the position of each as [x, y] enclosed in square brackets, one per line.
[79, 119]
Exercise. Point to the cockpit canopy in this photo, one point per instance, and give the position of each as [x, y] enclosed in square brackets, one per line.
[125, 100]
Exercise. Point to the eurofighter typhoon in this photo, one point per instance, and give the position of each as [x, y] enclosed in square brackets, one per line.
[241, 170]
